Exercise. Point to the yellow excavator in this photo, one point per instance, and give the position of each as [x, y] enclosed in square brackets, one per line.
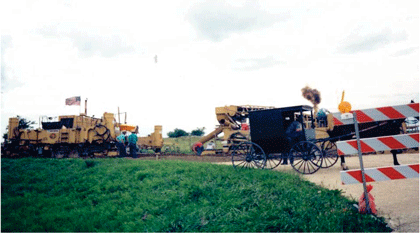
[233, 124]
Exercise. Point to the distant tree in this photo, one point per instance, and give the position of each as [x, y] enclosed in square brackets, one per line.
[198, 132]
[23, 124]
[177, 133]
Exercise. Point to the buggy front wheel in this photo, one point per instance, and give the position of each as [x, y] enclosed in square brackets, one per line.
[330, 155]
[248, 155]
[305, 157]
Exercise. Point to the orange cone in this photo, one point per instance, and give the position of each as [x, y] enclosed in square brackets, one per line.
[362, 202]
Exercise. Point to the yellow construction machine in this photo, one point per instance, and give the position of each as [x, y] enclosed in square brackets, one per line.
[233, 123]
[73, 136]
[153, 141]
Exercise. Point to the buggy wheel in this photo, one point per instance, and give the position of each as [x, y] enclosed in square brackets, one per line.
[248, 155]
[305, 157]
[273, 160]
[330, 155]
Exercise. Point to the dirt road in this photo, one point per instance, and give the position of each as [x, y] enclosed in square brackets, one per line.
[396, 200]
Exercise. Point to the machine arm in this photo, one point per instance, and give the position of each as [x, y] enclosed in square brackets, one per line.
[211, 135]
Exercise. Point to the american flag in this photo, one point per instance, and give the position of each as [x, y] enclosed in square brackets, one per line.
[73, 101]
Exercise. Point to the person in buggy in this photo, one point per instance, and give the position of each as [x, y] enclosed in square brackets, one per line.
[294, 133]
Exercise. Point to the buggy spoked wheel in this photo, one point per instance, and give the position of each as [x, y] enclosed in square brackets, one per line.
[248, 155]
[305, 157]
[330, 155]
[273, 160]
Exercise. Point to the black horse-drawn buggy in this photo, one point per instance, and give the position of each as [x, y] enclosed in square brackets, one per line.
[290, 134]
[281, 135]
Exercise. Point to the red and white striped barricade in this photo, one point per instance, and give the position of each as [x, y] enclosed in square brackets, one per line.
[379, 114]
[380, 174]
[384, 143]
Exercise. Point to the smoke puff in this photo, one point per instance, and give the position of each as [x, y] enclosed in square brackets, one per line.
[312, 95]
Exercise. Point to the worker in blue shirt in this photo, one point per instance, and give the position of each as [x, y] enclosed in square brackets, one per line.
[121, 141]
[132, 143]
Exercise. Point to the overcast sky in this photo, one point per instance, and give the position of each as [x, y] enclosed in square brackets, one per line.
[209, 54]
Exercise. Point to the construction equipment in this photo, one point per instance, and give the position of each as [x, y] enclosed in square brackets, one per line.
[153, 141]
[69, 136]
[233, 124]
[73, 136]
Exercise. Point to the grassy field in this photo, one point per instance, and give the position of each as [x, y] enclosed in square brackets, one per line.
[126, 195]
[183, 144]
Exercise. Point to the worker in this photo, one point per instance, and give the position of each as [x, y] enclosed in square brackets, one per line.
[295, 129]
[244, 126]
[121, 142]
[293, 133]
[198, 148]
[127, 133]
[132, 143]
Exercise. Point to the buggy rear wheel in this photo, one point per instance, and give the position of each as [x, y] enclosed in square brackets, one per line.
[248, 155]
[330, 155]
[305, 157]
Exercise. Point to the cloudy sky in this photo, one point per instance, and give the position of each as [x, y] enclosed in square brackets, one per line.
[209, 54]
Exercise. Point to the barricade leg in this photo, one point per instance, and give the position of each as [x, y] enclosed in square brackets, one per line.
[394, 156]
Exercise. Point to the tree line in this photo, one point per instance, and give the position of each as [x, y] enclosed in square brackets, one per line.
[179, 132]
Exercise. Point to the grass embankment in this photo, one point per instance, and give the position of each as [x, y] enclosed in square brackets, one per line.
[123, 195]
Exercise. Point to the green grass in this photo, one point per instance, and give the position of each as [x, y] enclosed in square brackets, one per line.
[123, 195]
